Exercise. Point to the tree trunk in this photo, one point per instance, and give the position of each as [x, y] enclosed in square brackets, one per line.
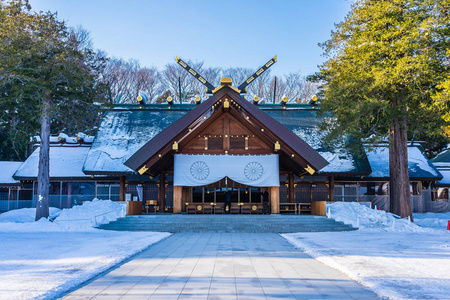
[42, 201]
[398, 167]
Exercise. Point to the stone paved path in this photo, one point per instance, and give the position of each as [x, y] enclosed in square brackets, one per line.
[223, 266]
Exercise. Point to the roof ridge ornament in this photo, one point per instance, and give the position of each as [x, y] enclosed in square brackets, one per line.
[226, 81]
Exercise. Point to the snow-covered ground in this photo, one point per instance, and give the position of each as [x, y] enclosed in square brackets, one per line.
[395, 258]
[43, 260]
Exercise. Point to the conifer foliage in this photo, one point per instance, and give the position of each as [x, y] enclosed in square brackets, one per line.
[384, 64]
[46, 77]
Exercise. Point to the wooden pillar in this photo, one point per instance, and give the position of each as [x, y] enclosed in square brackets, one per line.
[162, 192]
[331, 188]
[177, 199]
[291, 187]
[122, 188]
[275, 199]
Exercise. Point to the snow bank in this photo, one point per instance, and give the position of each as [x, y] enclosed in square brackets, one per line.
[437, 221]
[78, 218]
[24, 215]
[44, 260]
[90, 214]
[369, 219]
[402, 262]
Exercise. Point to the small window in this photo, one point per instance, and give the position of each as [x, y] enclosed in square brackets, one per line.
[414, 189]
[442, 193]
[215, 143]
[237, 143]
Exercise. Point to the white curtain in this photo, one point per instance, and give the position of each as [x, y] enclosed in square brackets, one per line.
[140, 192]
[252, 170]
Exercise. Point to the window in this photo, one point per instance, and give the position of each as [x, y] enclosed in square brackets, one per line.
[345, 192]
[215, 143]
[108, 192]
[237, 142]
[78, 188]
[414, 189]
[442, 194]
[373, 188]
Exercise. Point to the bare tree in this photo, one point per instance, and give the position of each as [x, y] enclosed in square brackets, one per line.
[127, 78]
[175, 77]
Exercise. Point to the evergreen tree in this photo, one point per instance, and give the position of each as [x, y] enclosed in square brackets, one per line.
[45, 75]
[384, 63]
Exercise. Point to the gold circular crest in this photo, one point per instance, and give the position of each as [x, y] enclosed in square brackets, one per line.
[199, 207]
[254, 207]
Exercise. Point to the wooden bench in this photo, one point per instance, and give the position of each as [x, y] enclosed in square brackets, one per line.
[288, 208]
[303, 207]
[194, 208]
[218, 208]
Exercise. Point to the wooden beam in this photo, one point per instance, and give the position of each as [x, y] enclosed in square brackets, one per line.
[177, 199]
[275, 199]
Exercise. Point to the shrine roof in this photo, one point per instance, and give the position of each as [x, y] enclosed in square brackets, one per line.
[128, 127]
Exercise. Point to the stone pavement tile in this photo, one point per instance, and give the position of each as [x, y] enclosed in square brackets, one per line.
[168, 296]
[222, 266]
[107, 297]
[135, 297]
[194, 296]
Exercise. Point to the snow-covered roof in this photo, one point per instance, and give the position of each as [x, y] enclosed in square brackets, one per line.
[418, 164]
[121, 133]
[446, 177]
[124, 130]
[443, 157]
[65, 162]
[7, 170]
[304, 123]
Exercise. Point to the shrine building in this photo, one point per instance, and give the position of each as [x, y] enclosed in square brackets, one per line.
[184, 158]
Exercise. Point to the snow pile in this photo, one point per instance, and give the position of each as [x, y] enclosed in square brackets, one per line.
[24, 215]
[437, 221]
[369, 219]
[90, 214]
[78, 218]
[405, 262]
[44, 259]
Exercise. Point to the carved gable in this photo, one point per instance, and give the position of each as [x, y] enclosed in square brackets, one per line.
[226, 133]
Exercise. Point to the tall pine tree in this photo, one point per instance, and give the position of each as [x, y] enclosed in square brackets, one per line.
[44, 70]
[384, 63]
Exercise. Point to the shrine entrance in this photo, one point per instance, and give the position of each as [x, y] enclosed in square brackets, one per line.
[211, 199]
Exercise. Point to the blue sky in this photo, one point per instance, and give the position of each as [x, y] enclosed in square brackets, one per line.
[220, 33]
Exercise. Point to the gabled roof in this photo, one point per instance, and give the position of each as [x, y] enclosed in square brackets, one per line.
[164, 139]
[65, 163]
[442, 158]
[419, 167]
[442, 163]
